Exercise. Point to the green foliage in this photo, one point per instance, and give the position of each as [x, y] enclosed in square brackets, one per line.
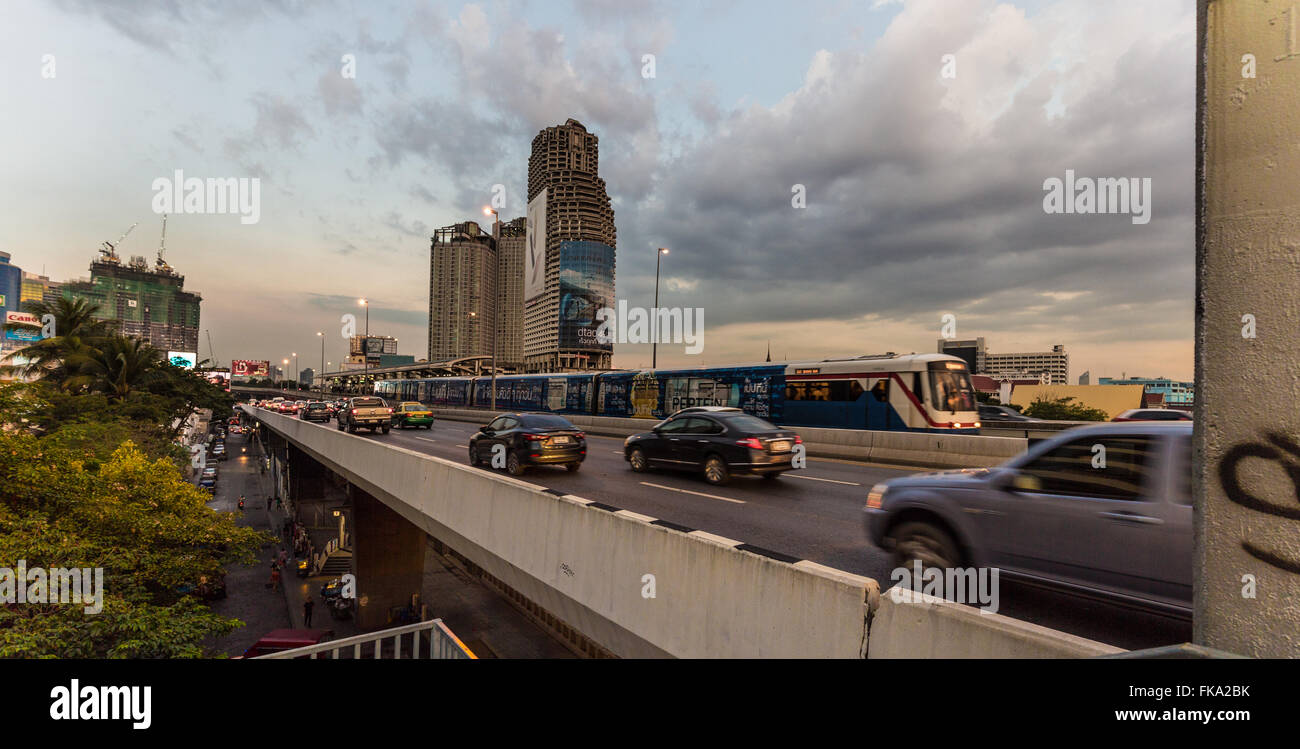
[1061, 409]
[92, 479]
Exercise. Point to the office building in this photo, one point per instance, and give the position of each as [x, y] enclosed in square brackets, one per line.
[11, 285]
[306, 377]
[463, 270]
[1049, 367]
[37, 288]
[1085, 378]
[512, 238]
[569, 260]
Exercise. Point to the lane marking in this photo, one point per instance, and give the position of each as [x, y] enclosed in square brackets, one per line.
[688, 491]
[793, 475]
[464, 446]
[426, 439]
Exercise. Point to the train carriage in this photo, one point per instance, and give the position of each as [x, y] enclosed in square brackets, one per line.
[913, 392]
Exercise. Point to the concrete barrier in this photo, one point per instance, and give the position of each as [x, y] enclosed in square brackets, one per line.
[587, 563]
[928, 627]
[903, 448]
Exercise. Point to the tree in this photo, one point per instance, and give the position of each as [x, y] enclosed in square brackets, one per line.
[1061, 409]
[72, 499]
[119, 366]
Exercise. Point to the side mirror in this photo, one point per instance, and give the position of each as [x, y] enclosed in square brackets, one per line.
[486, 429]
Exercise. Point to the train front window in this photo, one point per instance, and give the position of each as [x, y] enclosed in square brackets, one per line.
[952, 390]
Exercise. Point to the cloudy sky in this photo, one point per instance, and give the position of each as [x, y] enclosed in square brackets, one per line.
[924, 193]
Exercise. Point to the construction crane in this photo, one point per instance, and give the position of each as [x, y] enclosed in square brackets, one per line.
[161, 264]
[109, 250]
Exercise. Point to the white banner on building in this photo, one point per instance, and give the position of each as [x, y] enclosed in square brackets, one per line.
[535, 252]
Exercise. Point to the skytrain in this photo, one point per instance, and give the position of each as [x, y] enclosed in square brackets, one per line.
[888, 392]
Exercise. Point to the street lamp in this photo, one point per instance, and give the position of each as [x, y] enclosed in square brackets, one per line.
[284, 382]
[365, 355]
[296, 372]
[322, 354]
[654, 312]
[490, 211]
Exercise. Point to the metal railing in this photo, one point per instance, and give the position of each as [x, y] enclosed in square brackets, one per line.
[439, 644]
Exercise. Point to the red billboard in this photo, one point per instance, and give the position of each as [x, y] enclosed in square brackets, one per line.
[247, 368]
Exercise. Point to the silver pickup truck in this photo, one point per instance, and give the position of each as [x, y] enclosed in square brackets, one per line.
[365, 413]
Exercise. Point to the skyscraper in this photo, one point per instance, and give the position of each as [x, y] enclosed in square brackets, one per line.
[569, 259]
[511, 246]
[462, 292]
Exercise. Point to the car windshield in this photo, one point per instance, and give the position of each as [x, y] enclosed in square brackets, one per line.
[545, 421]
[747, 423]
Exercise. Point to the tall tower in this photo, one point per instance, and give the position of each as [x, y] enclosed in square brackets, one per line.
[462, 292]
[569, 254]
[511, 248]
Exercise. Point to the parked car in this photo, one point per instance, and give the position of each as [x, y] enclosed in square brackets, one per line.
[413, 414]
[529, 439]
[718, 444]
[367, 412]
[1153, 414]
[209, 483]
[989, 412]
[315, 411]
[1104, 510]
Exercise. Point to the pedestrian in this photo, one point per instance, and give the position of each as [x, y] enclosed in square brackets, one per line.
[268, 503]
[284, 556]
[241, 503]
[307, 606]
[275, 578]
[279, 503]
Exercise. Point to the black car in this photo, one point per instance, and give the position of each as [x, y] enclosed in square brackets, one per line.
[989, 412]
[716, 443]
[529, 439]
[315, 411]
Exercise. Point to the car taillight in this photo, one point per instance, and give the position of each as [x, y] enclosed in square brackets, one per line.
[798, 440]
[581, 435]
[752, 443]
[389, 410]
[534, 437]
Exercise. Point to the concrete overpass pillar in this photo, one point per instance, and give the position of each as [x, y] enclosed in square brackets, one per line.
[388, 558]
[306, 476]
[1247, 455]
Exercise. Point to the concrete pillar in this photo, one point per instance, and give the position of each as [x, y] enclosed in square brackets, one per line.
[1247, 584]
[306, 476]
[388, 556]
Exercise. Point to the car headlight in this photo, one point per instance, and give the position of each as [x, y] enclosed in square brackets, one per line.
[876, 497]
[628, 440]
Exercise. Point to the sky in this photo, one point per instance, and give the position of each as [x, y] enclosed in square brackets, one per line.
[922, 175]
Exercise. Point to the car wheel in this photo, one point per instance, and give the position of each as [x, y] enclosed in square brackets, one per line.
[715, 471]
[473, 456]
[513, 466]
[772, 476]
[637, 460]
[352, 428]
[385, 430]
[572, 467]
[925, 542]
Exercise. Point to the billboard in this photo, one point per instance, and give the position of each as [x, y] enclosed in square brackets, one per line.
[250, 368]
[183, 359]
[586, 285]
[218, 377]
[374, 349]
[26, 335]
[13, 317]
[535, 248]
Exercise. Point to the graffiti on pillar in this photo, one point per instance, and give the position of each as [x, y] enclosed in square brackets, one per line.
[1285, 452]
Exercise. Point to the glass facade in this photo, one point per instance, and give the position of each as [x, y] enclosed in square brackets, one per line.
[586, 285]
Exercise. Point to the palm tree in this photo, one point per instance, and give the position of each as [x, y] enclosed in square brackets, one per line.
[75, 329]
[119, 366]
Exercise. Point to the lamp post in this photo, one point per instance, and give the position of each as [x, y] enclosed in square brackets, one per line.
[365, 355]
[296, 372]
[284, 381]
[496, 227]
[322, 354]
[654, 312]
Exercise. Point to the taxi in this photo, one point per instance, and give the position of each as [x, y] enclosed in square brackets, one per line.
[412, 414]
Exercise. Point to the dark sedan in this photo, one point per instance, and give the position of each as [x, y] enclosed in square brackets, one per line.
[315, 411]
[715, 443]
[520, 440]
